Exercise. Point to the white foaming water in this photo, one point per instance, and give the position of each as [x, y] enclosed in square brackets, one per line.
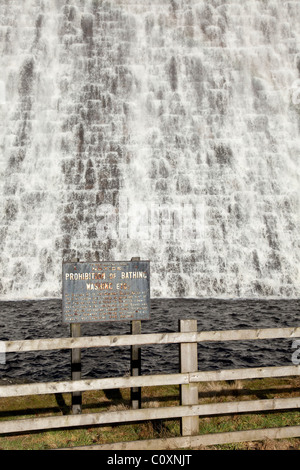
[163, 129]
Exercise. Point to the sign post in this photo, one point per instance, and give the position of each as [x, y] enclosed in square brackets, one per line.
[136, 361]
[76, 370]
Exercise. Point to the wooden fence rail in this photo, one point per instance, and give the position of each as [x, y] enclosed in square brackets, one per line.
[84, 385]
[144, 339]
[188, 378]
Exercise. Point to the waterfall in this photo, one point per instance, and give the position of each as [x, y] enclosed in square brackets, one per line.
[164, 129]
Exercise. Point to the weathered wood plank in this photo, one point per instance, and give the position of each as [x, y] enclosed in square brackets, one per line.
[153, 338]
[248, 334]
[93, 419]
[83, 385]
[40, 388]
[242, 374]
[190, 442]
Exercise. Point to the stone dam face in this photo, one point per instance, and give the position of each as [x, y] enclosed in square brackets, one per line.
[168, 130]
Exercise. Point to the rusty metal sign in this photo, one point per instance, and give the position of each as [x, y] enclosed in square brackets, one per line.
[105, 291]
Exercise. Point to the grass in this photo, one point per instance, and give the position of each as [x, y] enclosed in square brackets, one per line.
[111, 400]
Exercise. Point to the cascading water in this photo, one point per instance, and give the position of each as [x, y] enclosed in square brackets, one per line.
[168, 130]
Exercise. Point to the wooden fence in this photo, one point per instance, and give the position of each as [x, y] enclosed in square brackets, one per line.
[188, 378]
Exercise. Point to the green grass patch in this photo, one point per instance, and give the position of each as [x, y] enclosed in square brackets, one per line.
[112, 400]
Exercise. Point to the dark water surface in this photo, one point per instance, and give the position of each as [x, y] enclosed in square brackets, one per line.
[43, 319]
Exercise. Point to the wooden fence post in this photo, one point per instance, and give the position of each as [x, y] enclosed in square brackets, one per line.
[189, 392]
[75, 332]
[135, 360]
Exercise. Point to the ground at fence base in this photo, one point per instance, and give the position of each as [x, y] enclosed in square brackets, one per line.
[48, 405]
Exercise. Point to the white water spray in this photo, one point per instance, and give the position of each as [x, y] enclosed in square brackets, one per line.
[162, 129]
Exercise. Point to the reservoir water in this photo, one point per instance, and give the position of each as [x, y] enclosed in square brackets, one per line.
[43, 319]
